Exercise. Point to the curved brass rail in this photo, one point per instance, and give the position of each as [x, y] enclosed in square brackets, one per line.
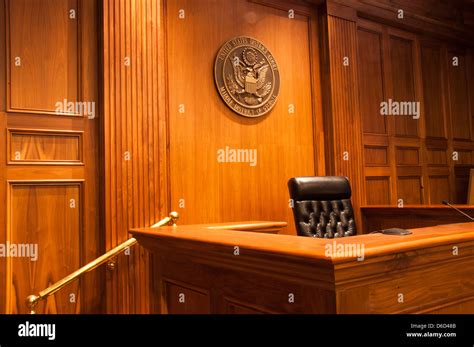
[33, 300]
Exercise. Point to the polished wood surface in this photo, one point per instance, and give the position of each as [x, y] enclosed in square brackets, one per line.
[55, 49]
[152, 146]
[287, 144]
[41, 214]
[412, 216]
[44, 147]
[134, 141]
[413, 161]
[257, 226]
[342, 121]
[199, 271]
[438, 18]
[49, 168]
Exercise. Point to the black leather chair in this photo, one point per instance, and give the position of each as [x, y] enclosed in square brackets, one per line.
[322, 206]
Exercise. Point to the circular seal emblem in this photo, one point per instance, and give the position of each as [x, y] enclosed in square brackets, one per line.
[247, 77]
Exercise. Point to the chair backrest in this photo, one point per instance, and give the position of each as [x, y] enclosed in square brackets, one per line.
[322, 206]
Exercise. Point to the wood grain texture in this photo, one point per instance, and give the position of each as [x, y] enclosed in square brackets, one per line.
[434, 18]
[59, 60]
[343, 124]
[272, 268]
[134, 141]
[428, 158]
[41, 214]
[44, 147]
[53, 44]
[203, 189]
[414, 216]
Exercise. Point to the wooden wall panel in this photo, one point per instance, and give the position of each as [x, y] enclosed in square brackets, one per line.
[51, 44]
[44, 147]
[403, 83]
[378, 151]
[376, 155]
[407, 156]
[437, 157]
[439, 189]
[202, 189]
[3, 154]
[378, 190]
[414, 216]
[459, 97]
[184, 300]
[433, 85]
[42, 215]
[343, 125]
[428, 157]
[371, 83]
[58, 61]
[409, 190]
[134, 152]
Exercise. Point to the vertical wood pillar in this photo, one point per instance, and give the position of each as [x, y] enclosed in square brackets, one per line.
[135, 177]
[344, 155]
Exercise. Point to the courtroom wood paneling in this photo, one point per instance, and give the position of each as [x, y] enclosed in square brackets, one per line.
[233, 307]
[288, 274]
[371, 83]
[202, 189]
[343, 126]
[58, 61]
[44, 147]
[439, 189]
[463, 305]
[427, 157]
[437, 157]
[403, 83]
[378, 190]
[185, 300]
[409, 190]
[422, 288]
[414, 216]
[459, 97]
[433, 87]
[134, 141]
[407, 155]
[51, 44]
[441, 19]
[3, 153]
[221, 288]
[47, 219]
[376, 155]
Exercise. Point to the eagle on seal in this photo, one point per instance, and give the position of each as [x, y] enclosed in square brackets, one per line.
[249, 78]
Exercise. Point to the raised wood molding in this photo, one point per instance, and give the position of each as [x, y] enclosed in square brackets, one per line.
[414, 216]
[44, 121]
[15, 291]
[134, 140]
[77, 155]
[342, 124]
[270, 267]
[341, 11]
[80, 22]
[386, 12]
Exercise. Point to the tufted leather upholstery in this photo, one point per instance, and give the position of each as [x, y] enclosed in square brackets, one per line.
[322, 206]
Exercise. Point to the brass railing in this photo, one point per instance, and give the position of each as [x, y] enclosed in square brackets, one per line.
[33, 300]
